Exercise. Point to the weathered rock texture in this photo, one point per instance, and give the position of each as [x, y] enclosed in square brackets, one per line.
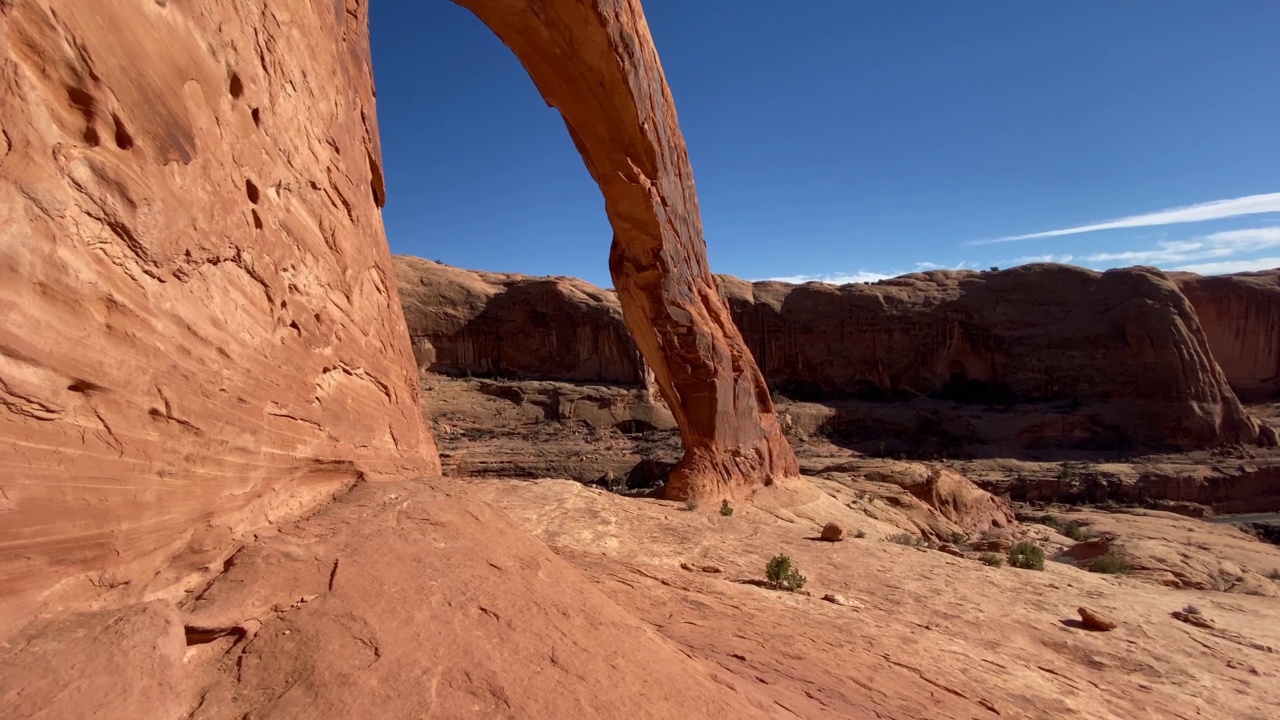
[201, 327]
[515, 326]
[1126, 343]
[1240, 315]
[595, 62]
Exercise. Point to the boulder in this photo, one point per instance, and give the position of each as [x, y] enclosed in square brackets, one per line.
[1094, 620]
[832, 532]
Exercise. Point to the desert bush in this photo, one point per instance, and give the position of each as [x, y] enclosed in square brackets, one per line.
[1191, 610]
[1109, 564]
[1026, 556]
[860, 534]
[690, 505]
[959, 538]
[991, 559]
[906, 539]
[1075, 530]
[725, 508]
[782, 575]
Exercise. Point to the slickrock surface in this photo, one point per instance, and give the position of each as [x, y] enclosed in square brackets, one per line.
[201, 329]
[595, 62]
[1240, 315]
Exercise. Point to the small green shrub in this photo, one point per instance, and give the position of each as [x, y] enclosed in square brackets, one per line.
[1191, 610]
[782, 575]
[1075, 530]
[1109, 564]
[725, 508]
[991, 559]
[959, 538]
[1026, 556]
[690, 505]
[906, 539]
[860, 534]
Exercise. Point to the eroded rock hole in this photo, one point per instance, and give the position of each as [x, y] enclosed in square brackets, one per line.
[236, 87]
[257, 117]
[251, 190]
[84, 102]
[124, 140]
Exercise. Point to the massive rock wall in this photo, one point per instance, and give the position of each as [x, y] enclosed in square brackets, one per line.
[1125, 342]
[1240, 315]
[594, 61]
[1126, 346]
[514, 326]
[201, 328]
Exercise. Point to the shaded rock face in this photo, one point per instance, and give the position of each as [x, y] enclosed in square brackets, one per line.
[514, 326]
[619, 111]
[1126, 343]
[1240, 315]
[1115, 360]
[201, 327]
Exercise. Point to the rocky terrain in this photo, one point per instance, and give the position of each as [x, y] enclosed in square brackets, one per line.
[220, 496]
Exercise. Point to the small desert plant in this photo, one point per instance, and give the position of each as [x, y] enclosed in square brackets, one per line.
[906, 539]
[725, 508]
[1026, 556]
[1109, 564]
[860, 534]
[1275, 575]
[782, 575]
[1075, 530]
[991, 559]
[1191, 610]
[690, 505]
[959, 538]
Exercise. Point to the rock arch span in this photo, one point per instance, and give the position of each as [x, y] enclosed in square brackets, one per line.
[201, 332]
[595, 62]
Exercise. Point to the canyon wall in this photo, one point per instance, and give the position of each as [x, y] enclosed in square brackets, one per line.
[517, 327]
[1125, 342]
[201, 328]
[1240, 315]
[1123, 352]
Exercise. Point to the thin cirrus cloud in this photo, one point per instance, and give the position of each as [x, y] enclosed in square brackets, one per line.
[1232, 266]
[1215, 210]
[862, 276]
[1214, 246]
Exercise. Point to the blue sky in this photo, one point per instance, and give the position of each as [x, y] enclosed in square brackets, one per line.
[846, 140]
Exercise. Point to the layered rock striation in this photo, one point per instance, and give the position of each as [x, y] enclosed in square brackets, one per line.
[201, 328]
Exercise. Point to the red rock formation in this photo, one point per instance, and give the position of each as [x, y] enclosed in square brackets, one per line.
[201, 328]
[516, 326]
[1240, 315]
[594, 61]
[1126, 344]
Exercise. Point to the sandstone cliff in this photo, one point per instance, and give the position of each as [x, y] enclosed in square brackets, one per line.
[516, 326]
[201, 328]
[1125, 343]
[1124, 349]
[1240, 315]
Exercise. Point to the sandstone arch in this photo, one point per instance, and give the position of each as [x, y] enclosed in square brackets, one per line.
[201, 332]
[619, 110]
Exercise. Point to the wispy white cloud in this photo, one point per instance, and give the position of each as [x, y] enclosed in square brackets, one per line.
[862, 276]
[1028, 259]
[1232, 266]
[1213, 246]
[1216, 210]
